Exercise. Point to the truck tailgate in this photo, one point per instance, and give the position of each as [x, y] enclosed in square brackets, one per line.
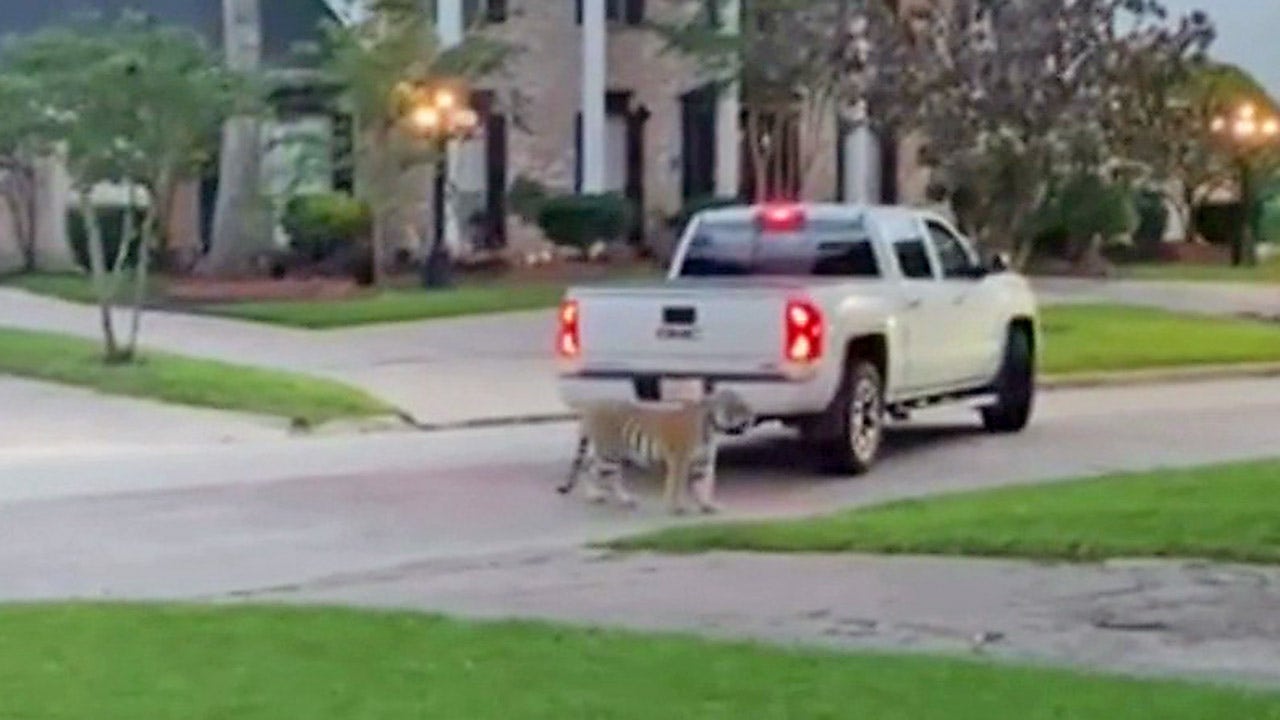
[711, 329]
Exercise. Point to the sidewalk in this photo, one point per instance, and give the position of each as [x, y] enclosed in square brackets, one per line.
[498, 366]
[56, 419]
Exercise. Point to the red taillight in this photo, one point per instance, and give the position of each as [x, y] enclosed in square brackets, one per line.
[804, 332]
[568, 336]
[782, 218]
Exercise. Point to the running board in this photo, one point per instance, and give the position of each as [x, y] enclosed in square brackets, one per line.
[974, 398]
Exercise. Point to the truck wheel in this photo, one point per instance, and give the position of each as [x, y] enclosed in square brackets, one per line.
[1015, 387]
[858, 414]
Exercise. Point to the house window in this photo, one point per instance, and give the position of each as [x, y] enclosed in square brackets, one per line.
[489, 11]
[711, 11]
[629, 11]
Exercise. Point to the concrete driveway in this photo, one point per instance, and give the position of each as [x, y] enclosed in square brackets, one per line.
[413, 519]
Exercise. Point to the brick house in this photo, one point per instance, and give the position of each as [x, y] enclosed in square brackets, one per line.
[608, 110]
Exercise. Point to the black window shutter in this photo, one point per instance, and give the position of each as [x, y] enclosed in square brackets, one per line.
[496, 11]
[577, 153]
[470, 12]
[635, 12]
[577, 11]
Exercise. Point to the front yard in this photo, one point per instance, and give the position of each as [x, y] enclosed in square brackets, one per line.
[1229, 513]
[1081, 339]
[1267, 271]
[183, 380]
[474, 294]
[250, 663]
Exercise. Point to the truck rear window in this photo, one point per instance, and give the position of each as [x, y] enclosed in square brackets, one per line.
[821, 249]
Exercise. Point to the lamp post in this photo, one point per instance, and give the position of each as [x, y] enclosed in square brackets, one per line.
[437, 113]
[1246, 131]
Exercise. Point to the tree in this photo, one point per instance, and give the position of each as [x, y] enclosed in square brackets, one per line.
[377, 62]
[1030, 87]
[134, 103]
[241, 228]
[19, 145]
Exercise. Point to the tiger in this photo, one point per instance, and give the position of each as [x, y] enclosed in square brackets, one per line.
[681, 437]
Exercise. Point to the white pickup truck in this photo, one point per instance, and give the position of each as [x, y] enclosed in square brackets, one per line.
[826, 317]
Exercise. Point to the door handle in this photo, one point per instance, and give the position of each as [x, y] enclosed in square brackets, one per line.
[960, 300]
[914, 303]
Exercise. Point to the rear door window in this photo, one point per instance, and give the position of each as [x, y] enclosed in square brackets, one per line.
[742, 248]
[913, 259]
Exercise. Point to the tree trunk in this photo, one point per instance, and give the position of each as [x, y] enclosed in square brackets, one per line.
[19, 198]
[240, 228]
[97, 265]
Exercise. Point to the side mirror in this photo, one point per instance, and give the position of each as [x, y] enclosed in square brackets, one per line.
[999, 263]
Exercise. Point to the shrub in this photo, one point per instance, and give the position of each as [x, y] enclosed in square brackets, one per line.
[111, 221]
[579, 221]
[1082, 207]
[1153, 220]
[1218, 223]
[319, 224]
[1269, 221]
[526, 198]
[693, 206]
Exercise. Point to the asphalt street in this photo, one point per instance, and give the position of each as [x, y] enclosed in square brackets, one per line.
[467, 522]
[183, 521]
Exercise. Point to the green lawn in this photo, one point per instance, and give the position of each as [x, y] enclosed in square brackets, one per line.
[397, 306]
[183, 380]
[147, 663]
[1266, 272]
[69, 286]
[1227, 513]
[1100, 338]
[388, 306]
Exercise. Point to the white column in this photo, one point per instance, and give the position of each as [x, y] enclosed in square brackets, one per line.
[862, 166]
[595, 68]
[728, 126]
[451, 26]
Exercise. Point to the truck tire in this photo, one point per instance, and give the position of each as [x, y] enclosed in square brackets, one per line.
[1015, 387]
[857, 415]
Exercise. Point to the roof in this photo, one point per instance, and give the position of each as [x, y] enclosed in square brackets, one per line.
[286, 23]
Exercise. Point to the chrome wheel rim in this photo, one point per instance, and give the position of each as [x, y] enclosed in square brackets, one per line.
[866, 420]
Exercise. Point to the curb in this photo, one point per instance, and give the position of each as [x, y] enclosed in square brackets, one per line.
[365, 426]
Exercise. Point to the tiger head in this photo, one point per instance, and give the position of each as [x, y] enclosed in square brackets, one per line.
[729, 413]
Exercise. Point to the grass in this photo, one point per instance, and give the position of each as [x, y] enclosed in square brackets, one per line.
[187, 381]
[397, 306]
[1267, 271]
[1102, 338]
[1229, 513]
[72, 287]
[387, 306]
[145, 663]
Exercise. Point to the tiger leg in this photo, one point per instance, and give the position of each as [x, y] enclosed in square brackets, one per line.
[581, 459]
[703, 477]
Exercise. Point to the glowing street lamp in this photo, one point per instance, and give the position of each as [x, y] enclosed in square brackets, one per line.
[1247, 131]
[437, 112]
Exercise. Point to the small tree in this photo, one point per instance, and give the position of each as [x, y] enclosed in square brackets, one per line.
[131, 102]
[373, 61]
